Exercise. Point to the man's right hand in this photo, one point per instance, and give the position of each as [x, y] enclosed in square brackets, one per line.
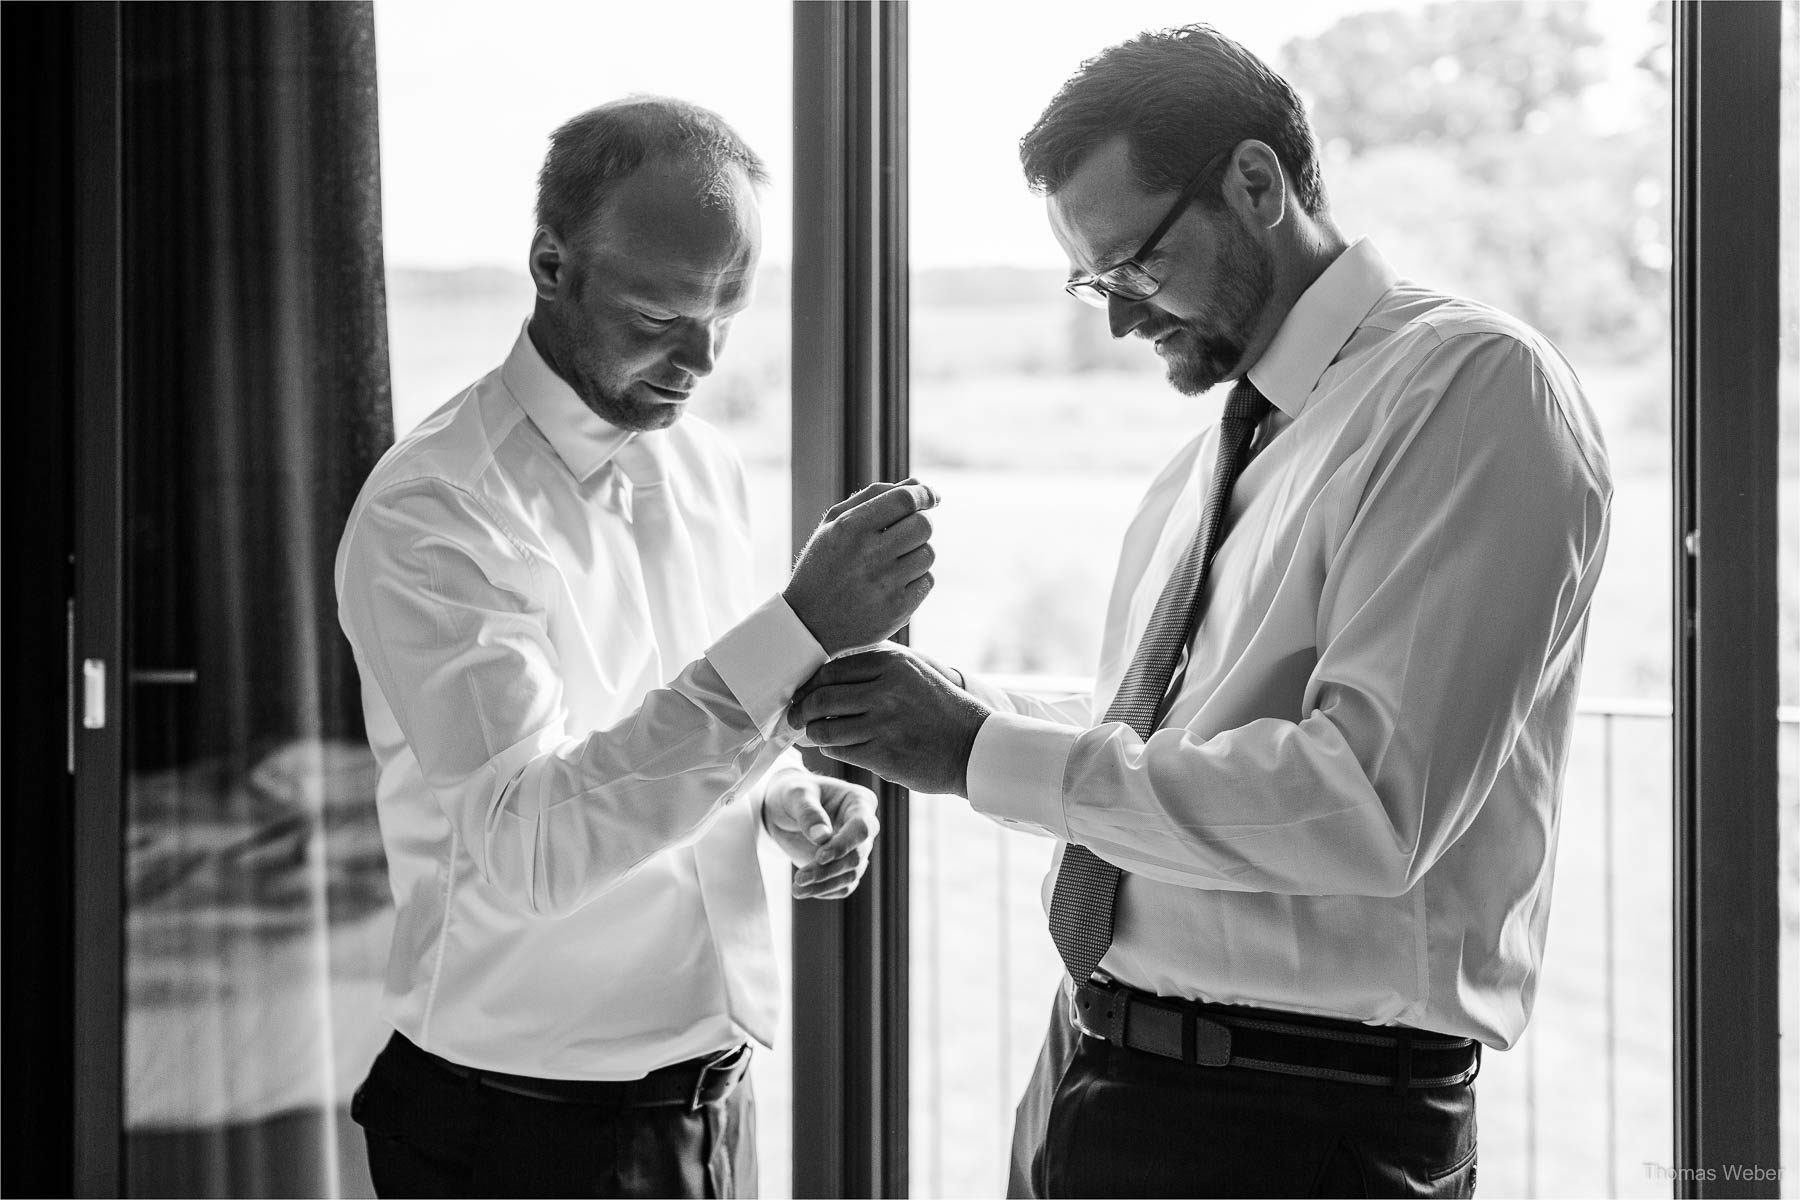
[867, 566]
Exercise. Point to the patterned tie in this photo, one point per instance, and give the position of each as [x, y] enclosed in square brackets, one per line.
[1087, 886]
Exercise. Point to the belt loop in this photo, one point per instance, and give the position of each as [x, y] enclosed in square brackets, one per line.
[1403, 1048]
[1190, 1035]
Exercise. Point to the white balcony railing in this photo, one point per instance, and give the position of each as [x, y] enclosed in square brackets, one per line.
[984, 972]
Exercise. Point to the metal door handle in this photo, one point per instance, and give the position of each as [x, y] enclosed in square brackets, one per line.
[93, 693]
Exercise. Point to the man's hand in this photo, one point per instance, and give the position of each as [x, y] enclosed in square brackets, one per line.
[825, 826]
[892, 713]
[867, 566]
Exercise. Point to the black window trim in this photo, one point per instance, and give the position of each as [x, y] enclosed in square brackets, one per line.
[1726, 426]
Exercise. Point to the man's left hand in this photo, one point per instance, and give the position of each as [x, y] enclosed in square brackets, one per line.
[825, 826]
[892, 713]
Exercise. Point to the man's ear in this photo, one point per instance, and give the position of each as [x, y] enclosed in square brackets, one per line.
[1255, 186]
[548, 263]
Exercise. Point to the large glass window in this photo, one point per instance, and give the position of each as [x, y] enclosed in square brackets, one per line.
[1515, 154]
[470, 92]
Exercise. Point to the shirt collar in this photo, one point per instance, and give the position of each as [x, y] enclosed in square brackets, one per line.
[1319, 324]
[582, 439]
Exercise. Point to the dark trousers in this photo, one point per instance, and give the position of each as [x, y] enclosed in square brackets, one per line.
[433, 1133]
[1101, 1120]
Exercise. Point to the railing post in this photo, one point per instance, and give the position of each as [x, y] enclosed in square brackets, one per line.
[1609, 985]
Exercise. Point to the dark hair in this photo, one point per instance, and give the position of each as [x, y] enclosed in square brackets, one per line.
[1179, 96]
[594, 152]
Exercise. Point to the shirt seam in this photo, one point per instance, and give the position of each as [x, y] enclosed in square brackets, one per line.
[443, 938]
[1595, 473]
[487, 507]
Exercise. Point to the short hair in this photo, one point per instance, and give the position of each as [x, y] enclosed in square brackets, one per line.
[1179, 96]
[593, 153]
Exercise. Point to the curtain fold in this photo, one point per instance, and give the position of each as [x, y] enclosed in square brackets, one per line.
[257, 398]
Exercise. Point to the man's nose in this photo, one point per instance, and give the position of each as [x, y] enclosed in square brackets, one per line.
[1123, 316]
[698, 350]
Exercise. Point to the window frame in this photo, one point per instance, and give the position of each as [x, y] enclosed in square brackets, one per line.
[850, 427]
[1726, 428]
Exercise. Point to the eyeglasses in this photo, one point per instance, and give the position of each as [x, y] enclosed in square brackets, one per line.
[1129, 279]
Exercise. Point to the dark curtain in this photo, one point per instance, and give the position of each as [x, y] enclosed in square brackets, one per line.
[257, 391]
[257, 399]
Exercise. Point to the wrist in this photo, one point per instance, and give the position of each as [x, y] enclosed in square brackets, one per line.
[773, 784]
[803, 612]
[976, 716]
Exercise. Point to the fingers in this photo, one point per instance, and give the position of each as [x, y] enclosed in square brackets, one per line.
[888, 507]
[828, 708]
[829, 883]
[857, 830]
[828, 733]
[792, 802]
[907, 533]
[810, 819]
[849, 502]
[840, 863]
[868, 667]
[916, 563]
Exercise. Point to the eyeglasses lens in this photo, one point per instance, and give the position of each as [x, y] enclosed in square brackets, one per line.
[1127, 281]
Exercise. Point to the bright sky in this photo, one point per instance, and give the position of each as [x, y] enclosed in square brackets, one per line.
[470, 90]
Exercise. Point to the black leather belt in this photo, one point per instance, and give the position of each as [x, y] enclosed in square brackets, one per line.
[1219, 1035]
[691, 1084]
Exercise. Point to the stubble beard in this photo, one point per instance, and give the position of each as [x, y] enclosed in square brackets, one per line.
[608, 402]
[1201, 351]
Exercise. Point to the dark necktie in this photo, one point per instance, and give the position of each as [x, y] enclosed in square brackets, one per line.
[1087, 886]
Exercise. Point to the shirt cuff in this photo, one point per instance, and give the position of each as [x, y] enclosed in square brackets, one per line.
[764, 659]
[993, 697]
[1016, 771]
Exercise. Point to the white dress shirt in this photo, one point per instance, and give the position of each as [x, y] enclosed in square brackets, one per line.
[570, 762]
[1351, 808]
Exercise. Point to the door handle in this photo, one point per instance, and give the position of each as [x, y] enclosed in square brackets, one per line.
[93, 693]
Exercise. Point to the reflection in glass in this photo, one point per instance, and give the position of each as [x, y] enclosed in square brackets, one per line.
[256, 400]
[1515, 154]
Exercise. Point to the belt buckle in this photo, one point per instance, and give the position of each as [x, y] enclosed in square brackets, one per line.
[724, 1062]
[1107, 1020]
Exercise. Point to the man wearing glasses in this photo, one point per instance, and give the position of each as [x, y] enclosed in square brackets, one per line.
[1309, 817]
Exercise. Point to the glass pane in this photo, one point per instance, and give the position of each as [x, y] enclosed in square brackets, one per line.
[255, 394]
[467, 103]
[261, 916]
[1515, 154]
[1788, 570]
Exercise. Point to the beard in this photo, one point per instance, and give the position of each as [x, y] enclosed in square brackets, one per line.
[586, 364]
[615, 404]
[1204, 349]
